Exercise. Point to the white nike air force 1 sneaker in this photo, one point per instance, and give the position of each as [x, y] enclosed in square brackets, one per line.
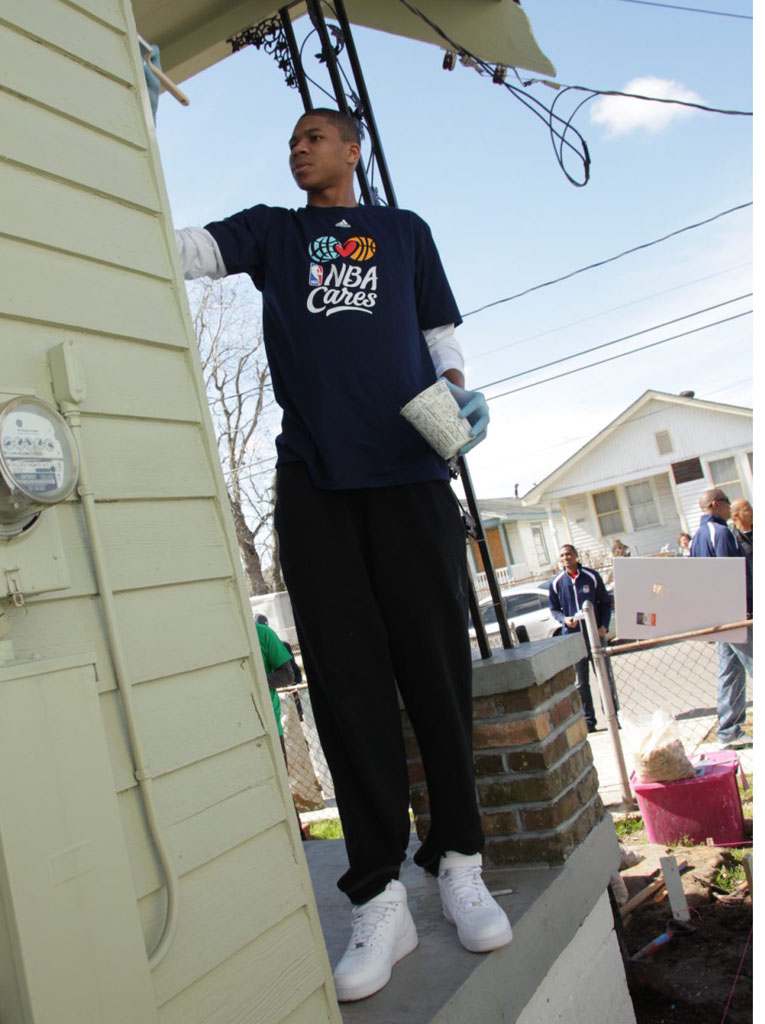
[482, 925]
[383, 933]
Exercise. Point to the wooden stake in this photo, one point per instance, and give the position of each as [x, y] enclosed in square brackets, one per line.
[649, 890]
[749, 871]
[675, 889]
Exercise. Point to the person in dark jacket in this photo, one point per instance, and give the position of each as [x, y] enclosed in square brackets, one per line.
[568, 592]
[714, 539]
[742, 514]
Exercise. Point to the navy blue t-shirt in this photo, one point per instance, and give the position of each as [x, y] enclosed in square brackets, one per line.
[347, 292]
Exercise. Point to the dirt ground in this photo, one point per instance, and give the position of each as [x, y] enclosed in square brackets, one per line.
[691, 979]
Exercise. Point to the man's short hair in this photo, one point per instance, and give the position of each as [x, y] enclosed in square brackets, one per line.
[709, 497]
[738, 506]
[569, 547]
[348, 126]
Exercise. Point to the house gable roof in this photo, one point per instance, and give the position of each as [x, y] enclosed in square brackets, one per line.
[536, 492]
[505, 510]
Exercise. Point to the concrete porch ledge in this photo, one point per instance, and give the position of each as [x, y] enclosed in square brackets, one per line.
[441, 983]
[526, 665]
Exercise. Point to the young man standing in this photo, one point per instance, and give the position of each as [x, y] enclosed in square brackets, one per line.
[358, 318]
[568, 592]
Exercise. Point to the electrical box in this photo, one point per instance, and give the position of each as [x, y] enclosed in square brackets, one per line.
[71, 945]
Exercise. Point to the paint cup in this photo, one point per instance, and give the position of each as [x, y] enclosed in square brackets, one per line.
[435, 415]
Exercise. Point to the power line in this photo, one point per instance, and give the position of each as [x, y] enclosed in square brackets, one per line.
[616, 341]
[610, 359]
[602, 263]
[631, 96]
[603, 312]
[633, 419]
[696, 10]
[727, 387]
[498, 72]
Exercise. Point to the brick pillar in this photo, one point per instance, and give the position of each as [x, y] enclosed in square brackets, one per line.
[537, 785]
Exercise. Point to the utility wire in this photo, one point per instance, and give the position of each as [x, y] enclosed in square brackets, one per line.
[610, 259]
[633, 419]
[558, 134]
[497, 74]
[631, 96]
[696, 10]
[616, 341]
[475, 356]
[610, 359]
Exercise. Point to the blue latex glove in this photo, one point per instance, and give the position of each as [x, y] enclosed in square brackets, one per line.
[152, 82]
[473, 408]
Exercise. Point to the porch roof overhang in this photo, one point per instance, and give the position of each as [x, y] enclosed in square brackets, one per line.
[192, 34]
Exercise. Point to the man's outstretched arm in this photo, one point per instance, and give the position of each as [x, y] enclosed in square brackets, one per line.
[199, 254]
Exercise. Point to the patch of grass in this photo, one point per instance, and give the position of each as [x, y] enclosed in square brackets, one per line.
[628, 826]
[329, 828]
[685, 840]
[731, 870]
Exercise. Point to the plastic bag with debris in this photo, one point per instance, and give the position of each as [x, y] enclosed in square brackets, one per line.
[657, 749]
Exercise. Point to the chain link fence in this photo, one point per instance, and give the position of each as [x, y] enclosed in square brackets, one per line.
[678, 677]
[309, 777]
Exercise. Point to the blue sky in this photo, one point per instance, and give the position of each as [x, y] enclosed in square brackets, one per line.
[481, 170]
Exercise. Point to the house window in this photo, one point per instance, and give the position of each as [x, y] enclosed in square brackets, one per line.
[663, 442]
[540, 545]
[724, 473]
[642, 506]
[608, 513]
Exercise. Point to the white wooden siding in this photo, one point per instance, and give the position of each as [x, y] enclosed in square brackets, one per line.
[630, 452]
[646, 541]
[245, 986]
[87, 254]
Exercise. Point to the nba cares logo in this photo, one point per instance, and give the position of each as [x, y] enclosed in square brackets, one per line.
[337, 286]
[327, 248]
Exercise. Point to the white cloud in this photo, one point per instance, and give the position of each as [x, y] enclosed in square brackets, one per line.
[620, 115]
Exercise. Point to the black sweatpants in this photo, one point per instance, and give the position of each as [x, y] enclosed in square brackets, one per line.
[377, 579]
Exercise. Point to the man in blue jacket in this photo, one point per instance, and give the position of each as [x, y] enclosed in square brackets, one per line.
[568, 592]
[713, 539]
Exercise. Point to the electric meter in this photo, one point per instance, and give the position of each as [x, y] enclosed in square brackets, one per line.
[39, 463]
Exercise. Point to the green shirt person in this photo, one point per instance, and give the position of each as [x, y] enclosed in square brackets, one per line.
[277, 663]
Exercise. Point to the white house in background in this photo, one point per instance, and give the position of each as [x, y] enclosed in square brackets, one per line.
[640, 478]
[522, 539]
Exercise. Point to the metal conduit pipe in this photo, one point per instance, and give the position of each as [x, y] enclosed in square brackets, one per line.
[142, 769]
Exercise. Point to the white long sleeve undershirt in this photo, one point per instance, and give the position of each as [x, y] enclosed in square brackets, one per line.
[201, 257]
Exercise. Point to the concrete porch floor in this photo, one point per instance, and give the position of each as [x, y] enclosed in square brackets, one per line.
[440, 982]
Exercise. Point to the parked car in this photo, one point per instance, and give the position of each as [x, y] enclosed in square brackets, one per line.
[527, 607]
[528, 612]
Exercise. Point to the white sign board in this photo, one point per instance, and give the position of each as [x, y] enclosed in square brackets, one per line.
[656, 597]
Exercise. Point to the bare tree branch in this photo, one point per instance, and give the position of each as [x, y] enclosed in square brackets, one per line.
[228, 329]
